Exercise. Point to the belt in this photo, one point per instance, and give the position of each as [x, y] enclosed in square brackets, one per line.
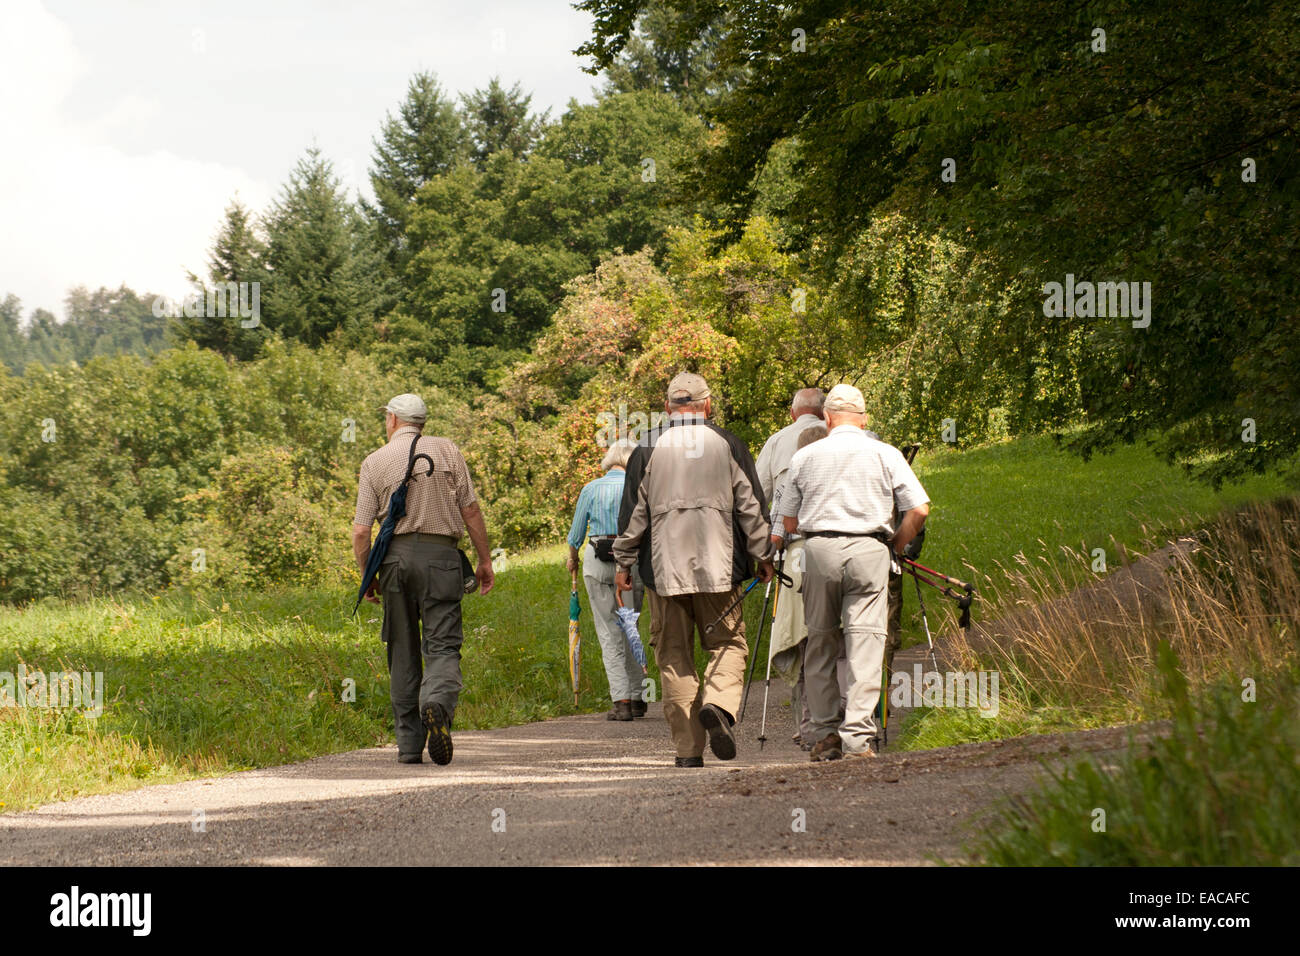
[878, 535]
[446, 539]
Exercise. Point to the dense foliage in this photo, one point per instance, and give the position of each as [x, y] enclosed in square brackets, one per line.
[1109, 141]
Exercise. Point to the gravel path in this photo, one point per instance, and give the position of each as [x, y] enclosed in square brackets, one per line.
[576, 790]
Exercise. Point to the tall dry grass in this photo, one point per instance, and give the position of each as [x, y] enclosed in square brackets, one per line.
[1225, 597]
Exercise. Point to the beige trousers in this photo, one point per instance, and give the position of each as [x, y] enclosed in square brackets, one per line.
[673, 622]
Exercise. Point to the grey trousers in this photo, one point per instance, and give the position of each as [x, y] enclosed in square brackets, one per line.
[846, 600]
[799, 697]
[420, 580]
[621, 669]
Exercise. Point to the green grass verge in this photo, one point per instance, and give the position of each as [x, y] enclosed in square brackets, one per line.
[1222, 789]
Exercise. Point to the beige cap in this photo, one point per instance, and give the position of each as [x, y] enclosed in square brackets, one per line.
[687, 387]
[409, 408]
[845, 398]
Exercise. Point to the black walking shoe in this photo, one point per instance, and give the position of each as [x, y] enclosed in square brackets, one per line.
[690, 761]
[638, 707]
[439, 727]
[721, 740]
[622, 710]
[409, 758]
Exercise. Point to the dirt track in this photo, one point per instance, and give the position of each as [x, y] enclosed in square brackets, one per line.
[577, 790]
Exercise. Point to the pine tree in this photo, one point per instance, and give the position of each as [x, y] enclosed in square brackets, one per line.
[498, 119]
[237, 256]
[320, 274]
[425, 139]
[13, 344]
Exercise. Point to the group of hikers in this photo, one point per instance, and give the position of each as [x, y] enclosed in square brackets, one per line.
[680, 517]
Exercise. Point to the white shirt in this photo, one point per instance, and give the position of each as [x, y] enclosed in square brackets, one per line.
[775, 457]
[850, 483]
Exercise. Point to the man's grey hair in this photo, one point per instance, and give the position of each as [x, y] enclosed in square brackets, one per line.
[809, 400]
[618, 454]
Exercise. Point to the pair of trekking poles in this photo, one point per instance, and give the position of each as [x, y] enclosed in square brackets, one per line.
[960, 591]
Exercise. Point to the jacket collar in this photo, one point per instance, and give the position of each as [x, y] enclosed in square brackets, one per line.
[687, 418]
[410, 430]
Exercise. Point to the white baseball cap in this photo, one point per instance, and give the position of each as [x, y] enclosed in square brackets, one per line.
[408, 408]
[845, 398]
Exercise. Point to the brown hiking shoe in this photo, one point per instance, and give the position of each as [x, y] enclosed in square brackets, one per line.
[638, 707]
[622, 710]
[829, 747]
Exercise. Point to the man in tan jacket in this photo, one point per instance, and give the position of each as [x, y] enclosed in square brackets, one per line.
[694, 521]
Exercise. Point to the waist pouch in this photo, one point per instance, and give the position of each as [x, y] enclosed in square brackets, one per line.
[604, 548]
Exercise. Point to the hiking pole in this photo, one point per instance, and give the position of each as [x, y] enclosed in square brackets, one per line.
[731, 607]
[884, 708]
[925, 621]
[758, 642]
[779, 577]
[921, 573]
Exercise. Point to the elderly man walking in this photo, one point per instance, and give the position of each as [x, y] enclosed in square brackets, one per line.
[788, 630]
[841, 494]
[695, 522]
[421, 577]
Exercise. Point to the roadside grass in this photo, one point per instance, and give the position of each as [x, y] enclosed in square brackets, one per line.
[1228, 605]
[1025, 497]
[194, 687]
[201, 685]
[1221, 789]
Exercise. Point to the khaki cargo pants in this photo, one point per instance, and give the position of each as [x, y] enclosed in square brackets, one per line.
[673, 622]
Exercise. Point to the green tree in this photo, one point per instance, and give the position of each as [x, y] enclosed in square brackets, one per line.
[13, 343]
[498, 119]
[426, 138]
[237, 256]
[672, 52]
[321, 267]
[491, 250]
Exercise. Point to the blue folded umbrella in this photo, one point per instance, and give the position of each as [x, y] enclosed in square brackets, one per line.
[627, 619]
[396, 512]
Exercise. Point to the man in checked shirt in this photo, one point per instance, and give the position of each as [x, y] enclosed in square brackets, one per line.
[421, 578]
[841, 494]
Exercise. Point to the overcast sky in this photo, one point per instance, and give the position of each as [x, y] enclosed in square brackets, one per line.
[126, 126]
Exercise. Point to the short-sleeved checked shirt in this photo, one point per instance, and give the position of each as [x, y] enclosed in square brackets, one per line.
[433, 502]
[850, 483]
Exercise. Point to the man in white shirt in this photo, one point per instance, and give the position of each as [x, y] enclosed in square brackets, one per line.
[841, 494]
[788, 631]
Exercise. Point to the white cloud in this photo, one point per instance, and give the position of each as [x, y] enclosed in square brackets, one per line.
[76, 209]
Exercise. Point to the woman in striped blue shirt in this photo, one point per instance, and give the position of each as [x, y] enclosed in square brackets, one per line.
[596, 519]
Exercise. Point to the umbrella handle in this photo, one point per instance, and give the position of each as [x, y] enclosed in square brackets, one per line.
[574, 581]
